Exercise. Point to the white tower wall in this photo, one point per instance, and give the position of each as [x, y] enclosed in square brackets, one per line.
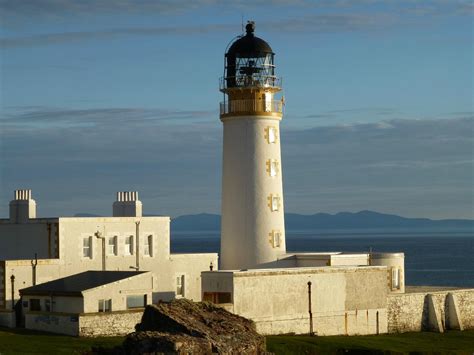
[249, 226]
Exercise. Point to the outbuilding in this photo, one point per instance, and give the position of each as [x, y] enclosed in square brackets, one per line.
[90, 303]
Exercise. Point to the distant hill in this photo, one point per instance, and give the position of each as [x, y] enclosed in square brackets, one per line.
[341, 220]
[197, 222]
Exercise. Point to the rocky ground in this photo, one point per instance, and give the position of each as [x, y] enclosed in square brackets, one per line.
[186, 327]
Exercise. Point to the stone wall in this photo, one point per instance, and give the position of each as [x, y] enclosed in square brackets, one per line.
[61, 323]
[87, 325]
[109, 324]
[412, 312]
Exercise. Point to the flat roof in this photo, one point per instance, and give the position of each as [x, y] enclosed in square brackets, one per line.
[74, 285]
[295, 270]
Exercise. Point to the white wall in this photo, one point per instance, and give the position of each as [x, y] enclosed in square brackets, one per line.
[165, 266]
[247, 219]
[345, 300]
[118, 291]
[23, 240]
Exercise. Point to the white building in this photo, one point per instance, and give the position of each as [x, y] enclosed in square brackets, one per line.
[36, 250]
[90, 303]
[253, 226]
[324, 293]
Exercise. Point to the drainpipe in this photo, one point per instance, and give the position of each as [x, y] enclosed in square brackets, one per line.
[311, 332]
[49, 240]
[99, 236]
[137, 244]
[34, 263]
[12, 279]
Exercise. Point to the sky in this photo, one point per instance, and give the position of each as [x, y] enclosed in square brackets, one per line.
[100, 96]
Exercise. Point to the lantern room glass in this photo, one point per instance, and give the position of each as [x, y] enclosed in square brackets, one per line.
[248, 71]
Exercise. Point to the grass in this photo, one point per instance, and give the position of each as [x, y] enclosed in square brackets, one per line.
[21, 341]
[452, 342]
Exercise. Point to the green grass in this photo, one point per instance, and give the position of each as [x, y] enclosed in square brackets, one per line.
[452, 342]
[22, 341]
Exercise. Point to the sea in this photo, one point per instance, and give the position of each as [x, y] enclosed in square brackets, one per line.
[432, 257]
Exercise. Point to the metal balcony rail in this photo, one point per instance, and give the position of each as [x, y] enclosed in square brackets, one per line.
[251, 106]
[243, 81]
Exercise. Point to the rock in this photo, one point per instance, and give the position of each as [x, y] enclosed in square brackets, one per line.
[186, 327]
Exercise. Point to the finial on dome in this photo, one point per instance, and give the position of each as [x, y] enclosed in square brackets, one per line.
[250, 28]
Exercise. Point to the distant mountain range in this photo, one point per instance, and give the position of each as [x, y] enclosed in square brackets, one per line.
[342, 220]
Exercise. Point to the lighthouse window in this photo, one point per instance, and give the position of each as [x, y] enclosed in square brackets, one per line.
[274, 203]
[273, 167]
[276, 239]
[272, 134]
[268, 102]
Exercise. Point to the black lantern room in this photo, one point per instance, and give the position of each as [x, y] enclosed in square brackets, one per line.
[249, 62]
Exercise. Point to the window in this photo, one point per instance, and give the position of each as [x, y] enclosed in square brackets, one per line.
[112, 246]
[136, 301]
[129, 245]
[276, 239]
[271, 134]
[274, 202]
[148, 248]
[180, 285]
[395, 279]
[105, 305]
[47, 305]
[272, 167]
[87, 247]
[268, 102]
[217, 297]
[35, 304]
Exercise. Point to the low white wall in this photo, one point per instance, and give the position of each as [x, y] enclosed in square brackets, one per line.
[87, 325]
[7, 319]
[61, 323]
[409, 312]
[109, 324]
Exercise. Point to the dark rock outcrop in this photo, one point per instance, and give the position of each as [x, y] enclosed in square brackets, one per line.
[186, 327]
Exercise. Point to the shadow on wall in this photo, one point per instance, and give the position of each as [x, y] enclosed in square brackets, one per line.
[163, 296]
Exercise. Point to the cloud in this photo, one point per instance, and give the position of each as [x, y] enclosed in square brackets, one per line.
[40, 118]
[66, 37]
[313, 23]
[409, 167]
[315, 17]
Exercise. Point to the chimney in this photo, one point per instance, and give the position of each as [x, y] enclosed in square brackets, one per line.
[127, 204]
[22, 207]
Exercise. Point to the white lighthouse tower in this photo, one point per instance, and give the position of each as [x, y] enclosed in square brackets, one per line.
[253, 226]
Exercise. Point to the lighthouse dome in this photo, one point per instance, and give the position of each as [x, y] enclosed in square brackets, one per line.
[249, 46]
[249, 62]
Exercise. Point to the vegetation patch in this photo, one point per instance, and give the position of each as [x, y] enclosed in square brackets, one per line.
[452, 342]
[22, 341]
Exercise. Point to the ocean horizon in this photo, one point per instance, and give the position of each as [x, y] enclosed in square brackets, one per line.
[432, 257]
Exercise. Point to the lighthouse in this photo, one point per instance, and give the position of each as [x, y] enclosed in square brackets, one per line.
[253, 226]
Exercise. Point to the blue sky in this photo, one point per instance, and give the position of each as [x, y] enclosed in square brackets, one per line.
[101, 96]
